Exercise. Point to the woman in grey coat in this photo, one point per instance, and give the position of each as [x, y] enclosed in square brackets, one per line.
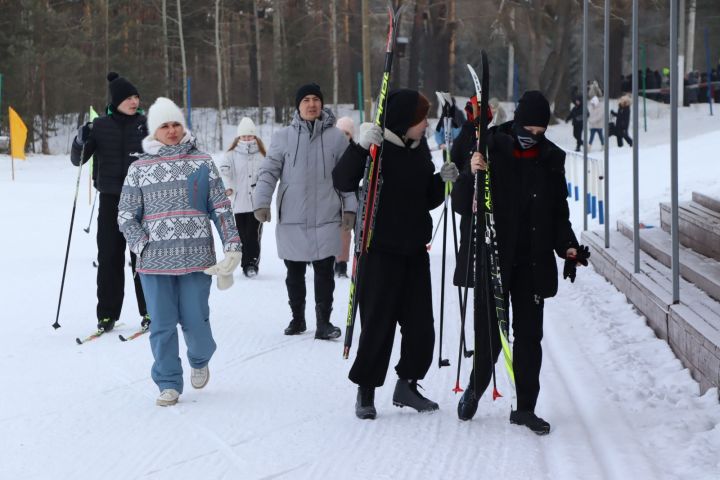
[310, 211]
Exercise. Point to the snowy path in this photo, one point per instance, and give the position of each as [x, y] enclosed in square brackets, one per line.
[620, 404]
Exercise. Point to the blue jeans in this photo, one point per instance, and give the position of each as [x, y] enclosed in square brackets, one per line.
[593, 131]
[173, 299]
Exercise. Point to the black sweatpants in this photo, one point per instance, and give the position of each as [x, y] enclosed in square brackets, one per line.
[527, 329]
[324, 282]
[623, 135]
[250, 231]
[394, 289]
[578, 134]
[111, 262]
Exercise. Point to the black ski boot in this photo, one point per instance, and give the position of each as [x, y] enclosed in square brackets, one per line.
[406, 395]
[106, 324]
[325, 330]
[297, 324]
[365, 404]
[468, 404]
[341, 269]
[530, 420]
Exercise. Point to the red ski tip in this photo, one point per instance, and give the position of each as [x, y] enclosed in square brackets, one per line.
[496, 394]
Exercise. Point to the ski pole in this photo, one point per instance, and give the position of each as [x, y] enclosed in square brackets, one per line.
[57, 325]
[87, 230]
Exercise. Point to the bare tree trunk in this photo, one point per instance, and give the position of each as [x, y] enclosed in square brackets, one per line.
[166, 56]
[452, 25]
[107, 36]
[278, 78]
[259, 63]
[218, 55]
[182, 56]
[333, 29]
[43, 110]
[690, 45]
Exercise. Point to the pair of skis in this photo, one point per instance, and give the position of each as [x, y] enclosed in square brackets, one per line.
[100, 332]
[489, 297]
[372, 183]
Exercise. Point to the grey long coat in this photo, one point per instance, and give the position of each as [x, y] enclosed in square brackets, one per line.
[309, 209]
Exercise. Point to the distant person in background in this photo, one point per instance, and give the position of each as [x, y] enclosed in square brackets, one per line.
[347, 126]
[498, 112]
[175, 185]
[309, 209]
[457, 120]
[622, 120]
[112, 140]
[596, 120]
[576, 116]
[239, 168]
[594, 89]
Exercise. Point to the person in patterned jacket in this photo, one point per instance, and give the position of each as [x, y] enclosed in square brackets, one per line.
[170, 195]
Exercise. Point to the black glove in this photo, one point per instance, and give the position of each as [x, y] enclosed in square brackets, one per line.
[570, 269]
[83, 133]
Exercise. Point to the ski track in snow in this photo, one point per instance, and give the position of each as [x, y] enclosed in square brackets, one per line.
[620, 404]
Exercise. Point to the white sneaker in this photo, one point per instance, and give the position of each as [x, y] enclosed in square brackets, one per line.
[167, 397]
[199, 376]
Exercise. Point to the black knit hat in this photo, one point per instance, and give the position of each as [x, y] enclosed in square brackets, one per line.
[533, 110]
[120, 89]
[405, 108]
[305, 90]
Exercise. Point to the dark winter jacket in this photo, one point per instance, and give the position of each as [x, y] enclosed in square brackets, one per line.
[622, 122]
[112, 141]
[462, 194]
[576, 115]
[410, 190]
[531, 213]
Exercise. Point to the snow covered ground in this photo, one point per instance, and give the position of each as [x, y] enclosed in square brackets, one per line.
[621, 405]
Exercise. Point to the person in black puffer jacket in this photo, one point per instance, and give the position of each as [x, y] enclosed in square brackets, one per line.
[394, 275]
[113, 140]
[532, 225]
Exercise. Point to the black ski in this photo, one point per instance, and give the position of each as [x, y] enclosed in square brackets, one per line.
[372, 183]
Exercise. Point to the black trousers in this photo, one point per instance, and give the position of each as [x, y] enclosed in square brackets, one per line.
[250, 231]
[527, 328]
[324, 282]
[623, 135]
[578, 133]
[111, 262]
[394, 289]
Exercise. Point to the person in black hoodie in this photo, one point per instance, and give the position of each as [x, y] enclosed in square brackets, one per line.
[531, 222]
[394, 283]
[576, 116]
[622, 120]
[113, 140]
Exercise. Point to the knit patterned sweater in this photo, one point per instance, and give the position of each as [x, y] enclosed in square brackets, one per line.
[166, 205]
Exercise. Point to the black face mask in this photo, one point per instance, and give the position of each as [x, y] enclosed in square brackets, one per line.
[525, 138]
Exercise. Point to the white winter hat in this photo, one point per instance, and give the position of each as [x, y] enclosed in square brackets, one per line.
[246, 127]
[162, 111]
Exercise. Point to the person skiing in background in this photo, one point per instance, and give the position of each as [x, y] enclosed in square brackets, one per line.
[112, 140]
[347, 126]
[576, 117]
[457, 121]
[310, 211]
[532, 220]
[394, 286]
[239, 169]
[171, 185]
[596, 120]
[622, 121]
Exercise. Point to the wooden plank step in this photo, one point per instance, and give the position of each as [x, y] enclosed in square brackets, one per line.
[702, 271]
[706, 201]
[699, 227]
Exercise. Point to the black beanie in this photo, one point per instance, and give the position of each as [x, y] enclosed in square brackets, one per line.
[533, 110]
[305, 90]
[120, 89]
[404, 109]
